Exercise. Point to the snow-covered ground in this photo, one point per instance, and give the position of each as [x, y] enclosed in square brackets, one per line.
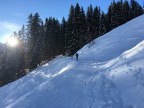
[109, 74]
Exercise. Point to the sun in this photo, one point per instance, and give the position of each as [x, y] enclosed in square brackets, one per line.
[12, 41]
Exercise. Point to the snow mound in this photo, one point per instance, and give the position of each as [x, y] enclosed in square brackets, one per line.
[109, 74]
[127, 74]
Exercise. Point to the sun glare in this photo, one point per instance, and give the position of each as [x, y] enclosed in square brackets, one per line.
[12, 41]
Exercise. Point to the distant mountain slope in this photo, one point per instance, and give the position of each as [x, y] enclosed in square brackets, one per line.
[109, 74]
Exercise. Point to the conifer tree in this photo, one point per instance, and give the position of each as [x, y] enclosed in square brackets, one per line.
[119, 11]
[109, 18]
[96, 22]
[114, 15]
[70, 31]
[89, 20]
[135, 8]
[103, 23]
[64, 40]
[83, 27]
[41, 43]
[77, 29]
[57, 38]
[126, 11]
[34, 39]
[46, 40]
[52, 38]
[21, 52]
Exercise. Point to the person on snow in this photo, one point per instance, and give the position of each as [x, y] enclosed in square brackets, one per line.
[77, 56]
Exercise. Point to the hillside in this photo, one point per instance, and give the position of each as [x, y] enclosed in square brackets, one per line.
[109, 74]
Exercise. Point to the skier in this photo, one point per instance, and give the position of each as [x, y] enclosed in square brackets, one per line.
[77, 56]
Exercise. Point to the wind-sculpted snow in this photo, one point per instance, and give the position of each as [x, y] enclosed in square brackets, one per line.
[109, 74]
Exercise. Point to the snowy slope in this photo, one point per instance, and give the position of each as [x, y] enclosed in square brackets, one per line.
[115, 42]
[110, 74]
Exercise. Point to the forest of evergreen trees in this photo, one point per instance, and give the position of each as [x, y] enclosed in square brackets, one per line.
[43, 40]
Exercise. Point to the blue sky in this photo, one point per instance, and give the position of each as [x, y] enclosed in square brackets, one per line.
[14, 13]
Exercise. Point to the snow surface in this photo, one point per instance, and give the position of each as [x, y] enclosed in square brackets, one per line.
[109, 74]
